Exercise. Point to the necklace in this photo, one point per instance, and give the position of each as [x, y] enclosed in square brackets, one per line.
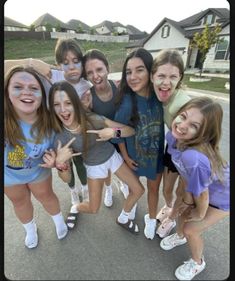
[72, 130]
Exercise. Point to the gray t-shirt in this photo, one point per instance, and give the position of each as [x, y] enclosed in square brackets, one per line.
[98, 152]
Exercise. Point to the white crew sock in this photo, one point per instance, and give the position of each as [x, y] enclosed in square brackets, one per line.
[31, 239]
[74, 209]
[85, 192]
[61, 227]
[132, 212]
[123, 217]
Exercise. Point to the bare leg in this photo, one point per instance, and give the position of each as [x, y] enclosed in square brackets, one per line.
[169, 180]
[20, 196]
[193, 230]
[95, 187]
[136, 189]
[153, 195]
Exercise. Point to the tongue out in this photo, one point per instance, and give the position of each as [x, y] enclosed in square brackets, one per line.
[164, 94]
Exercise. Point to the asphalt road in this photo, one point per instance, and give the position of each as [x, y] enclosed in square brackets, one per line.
[99, 249]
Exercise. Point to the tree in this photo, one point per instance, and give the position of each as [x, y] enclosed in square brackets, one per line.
[58, 27]
[205, 40]
[79, 29]
[32, 27]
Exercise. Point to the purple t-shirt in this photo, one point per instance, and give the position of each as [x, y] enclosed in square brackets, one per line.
[194, 167]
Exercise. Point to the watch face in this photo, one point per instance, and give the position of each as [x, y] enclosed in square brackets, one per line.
[118, 133]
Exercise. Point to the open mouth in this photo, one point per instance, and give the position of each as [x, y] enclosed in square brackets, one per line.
[29, 101]
[65, 118]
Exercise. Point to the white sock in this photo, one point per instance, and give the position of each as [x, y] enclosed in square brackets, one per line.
[31, 239]
[74, 188]
[74, 209]
[132, 212]
[84, 187]
[123, 217]
[108, 187]
[61, 227]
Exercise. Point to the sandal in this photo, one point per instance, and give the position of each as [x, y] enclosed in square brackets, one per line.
[131, 226]
[71, 220]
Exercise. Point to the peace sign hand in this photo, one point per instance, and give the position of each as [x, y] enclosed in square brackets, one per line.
[104, 134]
[65, 153]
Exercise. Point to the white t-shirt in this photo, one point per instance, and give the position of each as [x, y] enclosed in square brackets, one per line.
[81, 87]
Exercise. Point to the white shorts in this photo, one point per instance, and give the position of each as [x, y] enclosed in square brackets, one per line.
[101, 171]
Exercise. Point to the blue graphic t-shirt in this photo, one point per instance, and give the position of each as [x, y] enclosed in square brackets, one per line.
[21, 162]
[147, 145]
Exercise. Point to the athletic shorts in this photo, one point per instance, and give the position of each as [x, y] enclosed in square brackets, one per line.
[101, 171]
[167, 162]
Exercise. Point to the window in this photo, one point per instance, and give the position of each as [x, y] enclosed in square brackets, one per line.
[222, 51]
[165, 31]
[209, 19]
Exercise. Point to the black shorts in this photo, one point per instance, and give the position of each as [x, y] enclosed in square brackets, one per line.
[167, 162]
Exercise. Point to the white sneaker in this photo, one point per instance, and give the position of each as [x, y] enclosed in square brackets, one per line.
[74, 196]
[85, 193]
[108, 198]
[150, 227]
[189, 269]
[165, 227]
[124, 189]
[172, 241]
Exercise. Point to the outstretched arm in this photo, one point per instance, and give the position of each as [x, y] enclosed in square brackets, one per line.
[39, 65]
[64, 155]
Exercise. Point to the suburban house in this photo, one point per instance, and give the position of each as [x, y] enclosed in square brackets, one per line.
[12, 25]
[110, 28]
[47, 20]
[79, 26]
[171, 34]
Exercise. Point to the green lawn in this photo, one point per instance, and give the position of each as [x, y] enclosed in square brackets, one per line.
[216, 84]
[115, 53]
[44, 50]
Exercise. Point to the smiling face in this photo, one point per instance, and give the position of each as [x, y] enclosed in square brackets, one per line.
[165, 81]
[187, 124]
[24, 93]
[64, 109]
[72, 67]
[97, 73]
[137, 76]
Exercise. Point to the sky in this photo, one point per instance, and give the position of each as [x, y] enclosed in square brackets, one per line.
[144, 15]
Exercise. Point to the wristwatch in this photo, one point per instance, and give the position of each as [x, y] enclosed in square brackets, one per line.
[117, 132]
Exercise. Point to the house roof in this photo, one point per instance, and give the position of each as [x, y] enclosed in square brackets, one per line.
[75, 23]
[133, 29]
[10, 22]
[192, 21]
[47, 18]
[222, 13]
[106, 23]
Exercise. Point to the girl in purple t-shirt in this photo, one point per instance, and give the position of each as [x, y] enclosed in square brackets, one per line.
[194, 147]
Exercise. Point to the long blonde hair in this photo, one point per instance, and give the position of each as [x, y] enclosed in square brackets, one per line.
[208, 137]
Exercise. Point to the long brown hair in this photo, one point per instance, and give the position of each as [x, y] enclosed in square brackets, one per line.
[208, 137]
[80, 113]
[12, 131]
[123, 87]
[173, 57]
